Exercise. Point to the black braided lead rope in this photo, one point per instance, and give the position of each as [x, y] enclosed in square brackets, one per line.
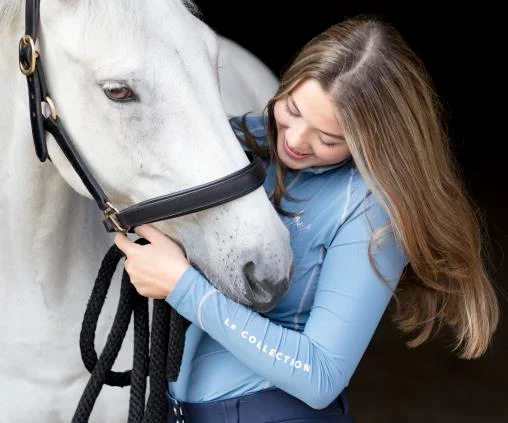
[140, 360]
[93, 310]
[176, 343]
[157, 404]
[168, 327]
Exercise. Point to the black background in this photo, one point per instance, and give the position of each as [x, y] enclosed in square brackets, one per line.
[462, 47]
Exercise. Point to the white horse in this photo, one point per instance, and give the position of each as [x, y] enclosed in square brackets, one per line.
[170, 133]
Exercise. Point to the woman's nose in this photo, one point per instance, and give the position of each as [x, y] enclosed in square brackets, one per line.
[298, 140]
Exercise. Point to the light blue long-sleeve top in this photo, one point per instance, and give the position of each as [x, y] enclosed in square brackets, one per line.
[310, 344]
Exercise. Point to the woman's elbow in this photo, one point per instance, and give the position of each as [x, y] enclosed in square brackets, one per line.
[320, 400]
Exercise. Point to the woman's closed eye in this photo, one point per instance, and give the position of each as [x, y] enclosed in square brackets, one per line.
[330, 141]
[293, 113]
[330, 144]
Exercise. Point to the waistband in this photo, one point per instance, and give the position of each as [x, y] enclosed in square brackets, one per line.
[271, 405]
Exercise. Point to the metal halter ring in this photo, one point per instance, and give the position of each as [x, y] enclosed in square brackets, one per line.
[24, 42]
[52, 108]
[110, 214]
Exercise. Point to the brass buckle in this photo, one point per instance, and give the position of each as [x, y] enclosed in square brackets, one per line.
[110, 214]
[24, 42]
[52, 109]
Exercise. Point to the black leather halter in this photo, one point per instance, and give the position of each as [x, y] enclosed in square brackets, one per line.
[168, 206]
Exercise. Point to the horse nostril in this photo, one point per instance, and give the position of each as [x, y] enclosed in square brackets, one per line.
[263, 293]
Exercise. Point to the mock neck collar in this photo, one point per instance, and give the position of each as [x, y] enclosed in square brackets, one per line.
[317, 170]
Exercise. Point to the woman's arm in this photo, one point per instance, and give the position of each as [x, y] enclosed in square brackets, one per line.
[317, 364]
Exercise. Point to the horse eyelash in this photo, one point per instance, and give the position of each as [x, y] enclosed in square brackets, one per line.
[112, 85]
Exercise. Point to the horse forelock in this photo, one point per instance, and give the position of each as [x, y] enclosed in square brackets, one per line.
[193, 7]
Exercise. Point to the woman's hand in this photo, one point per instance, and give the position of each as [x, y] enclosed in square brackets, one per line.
[155, 268]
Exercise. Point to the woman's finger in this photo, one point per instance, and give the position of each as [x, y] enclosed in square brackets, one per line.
[125, 244]
[150, 233]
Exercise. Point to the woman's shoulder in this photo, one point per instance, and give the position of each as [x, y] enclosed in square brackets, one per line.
[344, 183]
[255, 124]
[347, 198]
[363, 210]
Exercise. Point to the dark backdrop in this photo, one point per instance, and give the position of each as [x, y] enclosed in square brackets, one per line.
[462, 50]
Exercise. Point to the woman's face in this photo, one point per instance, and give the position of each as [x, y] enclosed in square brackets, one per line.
[309, 133]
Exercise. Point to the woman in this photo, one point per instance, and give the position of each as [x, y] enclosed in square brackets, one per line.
[361, 172]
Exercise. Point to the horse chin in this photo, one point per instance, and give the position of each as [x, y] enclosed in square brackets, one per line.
[236, 269]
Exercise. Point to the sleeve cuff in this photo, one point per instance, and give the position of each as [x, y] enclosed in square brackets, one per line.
[183, 286]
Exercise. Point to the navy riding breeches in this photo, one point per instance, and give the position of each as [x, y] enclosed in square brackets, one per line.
[268, 406]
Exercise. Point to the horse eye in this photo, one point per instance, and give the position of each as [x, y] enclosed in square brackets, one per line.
[120, 93]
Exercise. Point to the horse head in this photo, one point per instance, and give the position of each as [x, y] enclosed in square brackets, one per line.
[137, 85]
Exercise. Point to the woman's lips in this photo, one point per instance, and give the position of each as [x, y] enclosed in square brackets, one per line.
[293, 154]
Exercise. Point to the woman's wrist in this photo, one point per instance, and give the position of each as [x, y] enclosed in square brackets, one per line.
[176, 274]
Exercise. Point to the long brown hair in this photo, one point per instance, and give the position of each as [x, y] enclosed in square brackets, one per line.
[394, 127]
